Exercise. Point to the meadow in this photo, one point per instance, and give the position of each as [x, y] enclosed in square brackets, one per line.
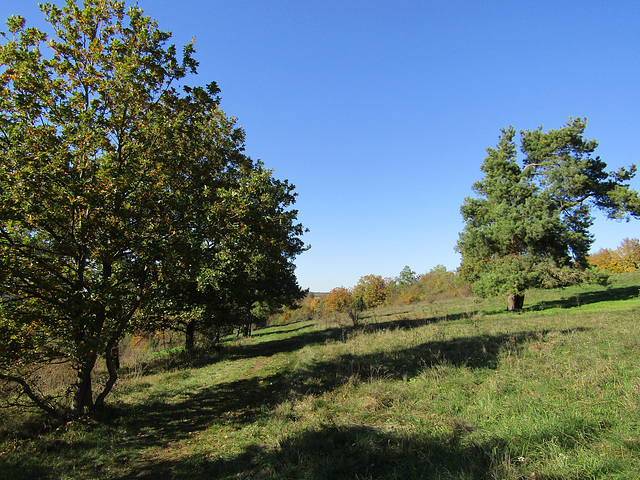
[457, 389]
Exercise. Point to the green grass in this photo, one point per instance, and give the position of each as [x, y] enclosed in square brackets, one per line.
[447, 390]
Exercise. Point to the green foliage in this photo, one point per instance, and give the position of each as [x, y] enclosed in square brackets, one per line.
[529, 226]
[83, 179]
[121, 195]
[406, 277]
[242, 255]
[357, 306]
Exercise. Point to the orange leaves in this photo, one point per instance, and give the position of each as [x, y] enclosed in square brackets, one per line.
[372, 289]
[338, 300]
[625, 258]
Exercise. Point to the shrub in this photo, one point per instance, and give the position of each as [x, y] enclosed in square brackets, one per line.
[372, 289]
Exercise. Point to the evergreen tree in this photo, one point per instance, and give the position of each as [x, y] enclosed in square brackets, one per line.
[529, 226]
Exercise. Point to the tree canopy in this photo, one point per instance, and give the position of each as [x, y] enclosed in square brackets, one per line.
[121, 192]
[529, 225]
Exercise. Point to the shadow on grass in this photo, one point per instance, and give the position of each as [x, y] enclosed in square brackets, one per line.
[335, 334]
[476, 352]
[316, 337]
[361, 451]
[341, 452]
[357, 451]
[299, 341]
[178, 359]
[22, 471]
[241, 402]
[586, 298]
[280, 330]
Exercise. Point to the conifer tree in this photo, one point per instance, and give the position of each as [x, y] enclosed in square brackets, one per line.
[529, 225]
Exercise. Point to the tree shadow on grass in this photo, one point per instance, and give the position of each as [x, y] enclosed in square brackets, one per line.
[161, 422]
[359, 451]
[341, 333]
[281, 330]
[318, 337]
[241, 402]
[475, 352]
[341, 452]
[9, 471]
[586, 298]
[230, 351]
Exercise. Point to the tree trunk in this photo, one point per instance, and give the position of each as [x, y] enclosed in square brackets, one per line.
[115, 355]
[83, 396]
[247, 330]
[189, 342]
[515, 302]
[113, 363]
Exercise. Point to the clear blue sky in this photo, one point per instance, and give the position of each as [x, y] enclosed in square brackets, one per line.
[380, 112]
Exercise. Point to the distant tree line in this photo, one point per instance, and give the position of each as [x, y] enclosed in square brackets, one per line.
[373, 291]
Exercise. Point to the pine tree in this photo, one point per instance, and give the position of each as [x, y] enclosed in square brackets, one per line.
[530, 225]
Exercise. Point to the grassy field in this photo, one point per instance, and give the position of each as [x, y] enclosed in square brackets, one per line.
[446, 390]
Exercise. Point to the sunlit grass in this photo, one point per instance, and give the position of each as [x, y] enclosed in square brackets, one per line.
[459, 389]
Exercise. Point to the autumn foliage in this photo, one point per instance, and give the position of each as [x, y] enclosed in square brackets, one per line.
[625, 258]
[374, 291]
[337, 301]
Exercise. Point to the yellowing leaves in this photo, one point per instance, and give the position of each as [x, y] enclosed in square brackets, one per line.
[626, 258]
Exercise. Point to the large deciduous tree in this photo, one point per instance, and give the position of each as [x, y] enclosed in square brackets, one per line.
[245, 258]
[112, 184]
[529, 225]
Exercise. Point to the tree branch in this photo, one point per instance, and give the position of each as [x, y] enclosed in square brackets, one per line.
[37, 399]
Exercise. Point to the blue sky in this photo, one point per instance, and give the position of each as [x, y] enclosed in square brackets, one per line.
[380, 112]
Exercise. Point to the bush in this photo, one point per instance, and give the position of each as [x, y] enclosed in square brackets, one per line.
[372, 289]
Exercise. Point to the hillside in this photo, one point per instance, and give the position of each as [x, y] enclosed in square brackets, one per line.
[458, 389]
